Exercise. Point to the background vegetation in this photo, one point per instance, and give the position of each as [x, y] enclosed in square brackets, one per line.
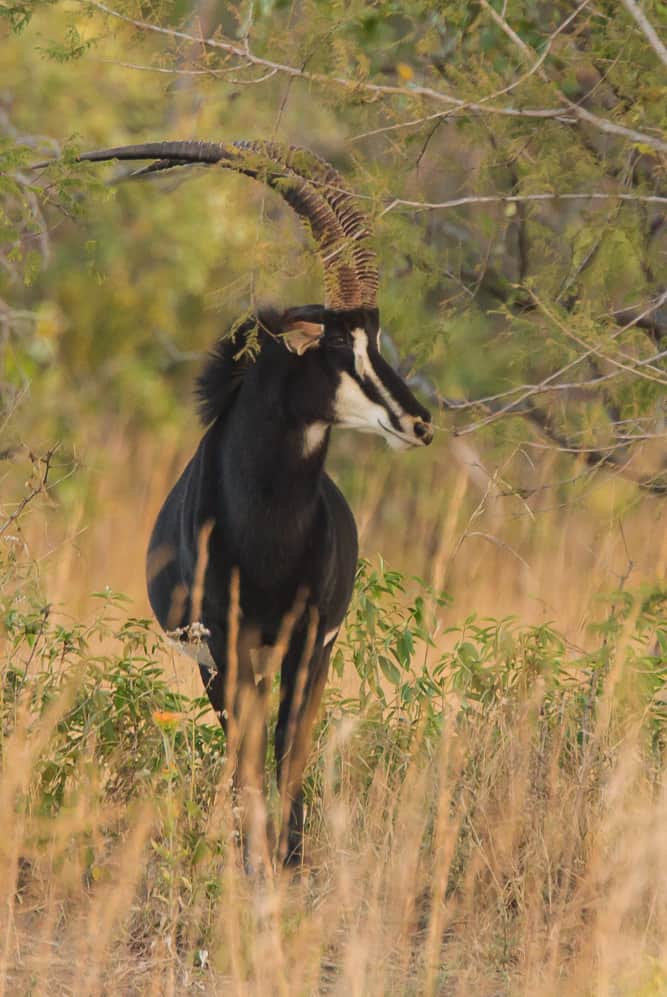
[487, 800]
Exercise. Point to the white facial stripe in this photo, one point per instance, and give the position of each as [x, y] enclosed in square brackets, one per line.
[361, 347]
[360, 340]
[354, 409]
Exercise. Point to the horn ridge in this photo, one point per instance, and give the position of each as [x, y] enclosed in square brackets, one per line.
[310, 185]
[336, 192]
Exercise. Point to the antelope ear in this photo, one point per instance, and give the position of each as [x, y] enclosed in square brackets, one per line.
[302, 336]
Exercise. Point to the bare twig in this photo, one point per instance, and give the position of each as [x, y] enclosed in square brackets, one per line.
[499, 543]
[244, 54]
[167, 70]
[633, 367]
[647, 28]
[504, 26]
[42, 467]
[440, 115]
[603, 124]
[458, 202]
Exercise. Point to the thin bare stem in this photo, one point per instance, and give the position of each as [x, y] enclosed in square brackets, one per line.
[647, 28]
[458, 202]
[439, 115]
[375, 89]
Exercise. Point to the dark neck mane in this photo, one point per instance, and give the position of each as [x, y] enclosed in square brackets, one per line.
[227, 364]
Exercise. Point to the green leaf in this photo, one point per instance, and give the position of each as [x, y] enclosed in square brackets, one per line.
[405, 647]
[389, 669]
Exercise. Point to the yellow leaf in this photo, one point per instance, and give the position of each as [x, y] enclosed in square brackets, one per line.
[646, 150]
[405, 71]
[166, 718]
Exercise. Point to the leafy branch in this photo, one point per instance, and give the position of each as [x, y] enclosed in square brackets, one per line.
[458, 105]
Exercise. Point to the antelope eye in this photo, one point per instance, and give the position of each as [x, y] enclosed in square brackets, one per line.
[338, 340]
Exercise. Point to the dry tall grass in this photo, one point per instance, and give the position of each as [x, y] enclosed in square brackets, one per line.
[445, 519]
[522, 850]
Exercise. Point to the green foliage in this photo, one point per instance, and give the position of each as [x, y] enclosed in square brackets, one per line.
[381, 636]
[119, 718]
[20, 14]
[114, 704]
[109, 294]
[93, 733]
[392, 642]
[109, 302]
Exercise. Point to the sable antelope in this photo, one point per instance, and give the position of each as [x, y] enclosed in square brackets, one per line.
[255, 543]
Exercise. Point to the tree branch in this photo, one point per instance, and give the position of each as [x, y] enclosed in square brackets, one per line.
[439, 115]
[376, 89]
[39, 486]
[602, 124]
[458, 202]
[647, 28]
[617, 455]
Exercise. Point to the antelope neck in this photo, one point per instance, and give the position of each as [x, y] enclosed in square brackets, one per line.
[271, 475]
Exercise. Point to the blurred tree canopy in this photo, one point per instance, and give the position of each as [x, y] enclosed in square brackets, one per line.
[513, 156]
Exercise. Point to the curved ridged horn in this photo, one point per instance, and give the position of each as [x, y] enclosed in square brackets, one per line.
[310, 186]
[338, 196]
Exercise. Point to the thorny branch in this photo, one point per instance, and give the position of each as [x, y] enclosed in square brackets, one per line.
[440, 115]
[617, 454]
[603, 124]
[458, 202]
[553, 381]
[457, 104]
[520, 400]
[38, 485]
[647, 28]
